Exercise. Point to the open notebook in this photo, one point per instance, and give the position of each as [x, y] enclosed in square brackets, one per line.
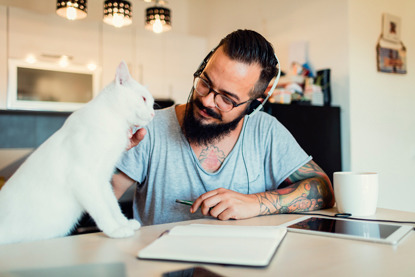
[219, 244]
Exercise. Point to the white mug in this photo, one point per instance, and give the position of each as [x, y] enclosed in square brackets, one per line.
[356, 192]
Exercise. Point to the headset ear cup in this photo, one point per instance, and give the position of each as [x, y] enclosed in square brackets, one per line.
[254, 104]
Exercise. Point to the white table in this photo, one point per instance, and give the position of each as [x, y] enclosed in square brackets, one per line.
[298, 255]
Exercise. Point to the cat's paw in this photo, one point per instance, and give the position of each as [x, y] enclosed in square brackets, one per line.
[120, 232]
[134, 224]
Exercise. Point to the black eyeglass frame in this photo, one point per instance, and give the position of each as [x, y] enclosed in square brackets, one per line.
[234, 104]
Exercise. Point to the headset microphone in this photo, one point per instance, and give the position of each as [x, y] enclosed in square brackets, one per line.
[270, 92]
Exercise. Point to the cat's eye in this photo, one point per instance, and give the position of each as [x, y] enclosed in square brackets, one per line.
[145, 100]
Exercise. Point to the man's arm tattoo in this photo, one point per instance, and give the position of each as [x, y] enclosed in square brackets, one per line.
[309, 189]
[311, 169]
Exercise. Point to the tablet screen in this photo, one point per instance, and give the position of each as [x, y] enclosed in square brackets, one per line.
[346, 227]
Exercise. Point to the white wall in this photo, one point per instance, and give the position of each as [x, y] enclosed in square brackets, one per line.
[382, 131]
[163, 62]
[378, 127]
[323, 24]
[378, 120]
[3, 54]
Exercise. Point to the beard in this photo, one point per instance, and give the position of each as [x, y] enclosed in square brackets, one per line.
[203, 134]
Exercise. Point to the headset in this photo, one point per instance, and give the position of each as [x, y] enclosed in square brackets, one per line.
[256, 105]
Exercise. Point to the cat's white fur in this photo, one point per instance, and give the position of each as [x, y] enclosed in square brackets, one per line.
[70, 172]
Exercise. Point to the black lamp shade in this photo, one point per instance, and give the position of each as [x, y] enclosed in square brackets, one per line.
[118, 13]
[72, 9]
[158, 19]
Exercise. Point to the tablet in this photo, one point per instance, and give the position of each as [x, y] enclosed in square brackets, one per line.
[350, 229]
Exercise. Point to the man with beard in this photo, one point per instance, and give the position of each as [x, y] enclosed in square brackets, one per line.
[214, 152]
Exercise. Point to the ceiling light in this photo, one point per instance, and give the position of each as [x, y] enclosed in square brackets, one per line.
[91, 66]
[72, 9]
[64, 61]
[118, 13]
[158, 19]
[31, 58]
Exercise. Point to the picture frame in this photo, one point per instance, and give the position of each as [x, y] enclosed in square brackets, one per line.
[43, 86]
[391, 60]
[391, 28]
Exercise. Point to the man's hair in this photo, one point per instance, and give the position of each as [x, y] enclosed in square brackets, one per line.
[250, 47]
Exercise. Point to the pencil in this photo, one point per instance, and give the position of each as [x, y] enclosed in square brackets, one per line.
[185, 202]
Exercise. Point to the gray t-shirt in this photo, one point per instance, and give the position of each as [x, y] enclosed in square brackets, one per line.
[166, 168]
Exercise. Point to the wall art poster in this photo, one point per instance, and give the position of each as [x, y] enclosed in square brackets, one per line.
[391, 60]
[391, 29]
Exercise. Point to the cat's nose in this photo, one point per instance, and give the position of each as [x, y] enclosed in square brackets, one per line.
[152, 114]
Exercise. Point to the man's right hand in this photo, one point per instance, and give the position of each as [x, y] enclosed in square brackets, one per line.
[136, 137]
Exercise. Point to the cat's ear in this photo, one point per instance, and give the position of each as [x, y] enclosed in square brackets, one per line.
[122, 74]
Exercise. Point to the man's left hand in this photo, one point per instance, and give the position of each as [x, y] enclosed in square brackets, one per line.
[227, 204]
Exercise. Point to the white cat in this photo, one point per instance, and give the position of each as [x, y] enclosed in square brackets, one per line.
[70, 173]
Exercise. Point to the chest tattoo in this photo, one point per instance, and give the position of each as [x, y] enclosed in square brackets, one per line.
[211, 158]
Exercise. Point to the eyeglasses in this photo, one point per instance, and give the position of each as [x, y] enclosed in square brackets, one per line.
[222, 102]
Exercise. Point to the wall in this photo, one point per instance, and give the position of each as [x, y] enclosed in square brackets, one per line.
[3, 54]
[378, 120]
[377, 115]
[163, 62]
[382, 130]
[323, 24]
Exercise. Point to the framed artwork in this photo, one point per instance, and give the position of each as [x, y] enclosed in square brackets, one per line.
[391, 28]
[49, 87]
[391, 60]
